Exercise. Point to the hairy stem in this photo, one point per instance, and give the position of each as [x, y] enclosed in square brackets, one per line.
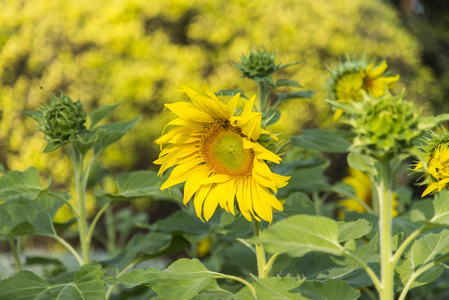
[260, 251]
[95, 221]
[15, 253]
[384, 195]
[78, 160]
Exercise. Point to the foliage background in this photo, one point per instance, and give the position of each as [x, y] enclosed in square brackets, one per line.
[139, 52]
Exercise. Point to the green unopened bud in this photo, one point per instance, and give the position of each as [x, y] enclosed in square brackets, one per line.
[385, 126]
[61, 120]
[258, 64]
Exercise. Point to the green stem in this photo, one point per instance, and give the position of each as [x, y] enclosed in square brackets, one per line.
[369, 293]
[263, 96]
[68, 203]
[95, 221]
[110, 229]
[397, 255]
[367, 269]
[418, 272]
[3, 275]
[68, 247]
[78, 160]
[123, 271]
[244, 242]
[251, 288]
[270, 263]
[15, 254]
[385, 224]
[260, 251]
[317, 202]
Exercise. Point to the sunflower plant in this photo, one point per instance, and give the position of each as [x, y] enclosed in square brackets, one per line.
[249, 217]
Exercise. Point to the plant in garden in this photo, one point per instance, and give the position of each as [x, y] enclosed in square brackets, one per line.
[219, 151]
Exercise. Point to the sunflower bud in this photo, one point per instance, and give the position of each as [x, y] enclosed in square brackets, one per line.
[60, 121]
[435, 168]
[258, 64]
[385, 126]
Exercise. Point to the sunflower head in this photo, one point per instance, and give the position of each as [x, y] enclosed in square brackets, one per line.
[214, 149]
[60, 120]
[258, 64]
[350, 79]
[384, 126]
[435, 167]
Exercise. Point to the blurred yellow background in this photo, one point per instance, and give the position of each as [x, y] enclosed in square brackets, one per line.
[103, 52]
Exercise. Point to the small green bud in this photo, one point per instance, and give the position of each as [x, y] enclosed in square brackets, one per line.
[61, 120]
[258, 64]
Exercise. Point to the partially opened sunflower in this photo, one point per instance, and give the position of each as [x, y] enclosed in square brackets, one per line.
[216, 153]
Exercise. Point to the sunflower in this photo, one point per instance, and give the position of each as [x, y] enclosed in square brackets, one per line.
[216, 153]
[350, 78]
[363, 190]
[437, 168]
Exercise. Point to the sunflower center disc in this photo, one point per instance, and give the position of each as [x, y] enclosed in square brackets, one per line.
[224, 152]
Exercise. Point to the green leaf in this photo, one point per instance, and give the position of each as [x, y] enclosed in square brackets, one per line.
[362, 163]
[23, 216]
[142, 247]
[36, 115]
[214, 291]
[305, 179]
[182, 222]
[301, 234]
[332, 141]
[295, 204]
[100, 113]
[287, 82]
[138, 184]
[271, 117]
[183, 279]
[353, 230]
[111, 133]
[296, 95]
[15, 184]
[329, 289]
[231, 93]
[86, 141]
[441, 207]
[431, 122]
[424, 252]
[277, 288]
[25, 285]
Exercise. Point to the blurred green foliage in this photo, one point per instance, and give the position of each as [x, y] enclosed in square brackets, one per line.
[140, 51]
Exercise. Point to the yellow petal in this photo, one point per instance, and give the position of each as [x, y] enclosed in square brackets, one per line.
[198, 201]
[376, 72]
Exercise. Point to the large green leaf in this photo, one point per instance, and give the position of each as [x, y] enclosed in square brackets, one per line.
[277, 288]
[318, 266]
[333, 141]
[25, 285]
[24, 216]
[353, 230]
[182, 222]
[15, 184]
[327, 290]
[139, 184]
[183, 279]
[111, 133]
[146, 246]
[100, 113]
[301, 234]
[441, 208]
[424, 251]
